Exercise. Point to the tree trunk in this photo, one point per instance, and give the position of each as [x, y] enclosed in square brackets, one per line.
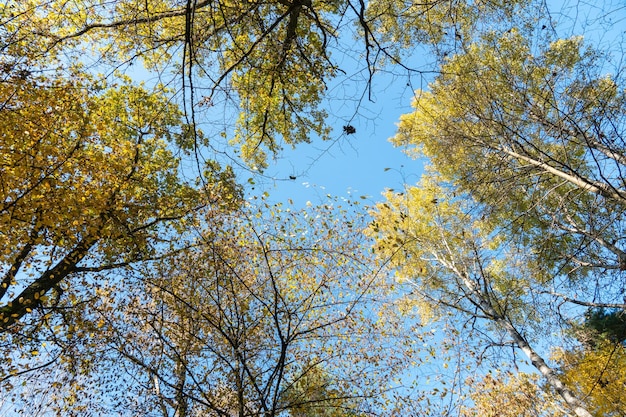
[546, 371]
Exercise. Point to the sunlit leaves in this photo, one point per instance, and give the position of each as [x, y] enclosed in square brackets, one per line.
[446, 25]
[272, 58]
[534, 131]
[504, 394]
[86, 171]
[598, 374]
[452, 256]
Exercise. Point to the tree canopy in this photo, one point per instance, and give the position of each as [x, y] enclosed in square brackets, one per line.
[521, 212]
[141, 273]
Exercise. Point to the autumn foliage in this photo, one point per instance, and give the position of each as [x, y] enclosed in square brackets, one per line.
[144, 271]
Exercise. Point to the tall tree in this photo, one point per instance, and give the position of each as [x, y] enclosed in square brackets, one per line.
[502, 395]
[270, 313]
[88, 185]
[518, 221]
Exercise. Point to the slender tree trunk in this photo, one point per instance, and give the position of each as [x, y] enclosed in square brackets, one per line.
[546, 370]
[181, 399]
[485, 304]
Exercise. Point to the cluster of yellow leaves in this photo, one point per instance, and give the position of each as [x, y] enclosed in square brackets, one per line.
[82, 163]
[493, 83]
[71, 156]
[599, 375]
[430, 237]
[508, 395]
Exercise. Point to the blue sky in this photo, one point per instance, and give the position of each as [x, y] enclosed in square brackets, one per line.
[350, 165]
[353, 165]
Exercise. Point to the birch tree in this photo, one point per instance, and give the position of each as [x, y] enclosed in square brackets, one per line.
[518, 222]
